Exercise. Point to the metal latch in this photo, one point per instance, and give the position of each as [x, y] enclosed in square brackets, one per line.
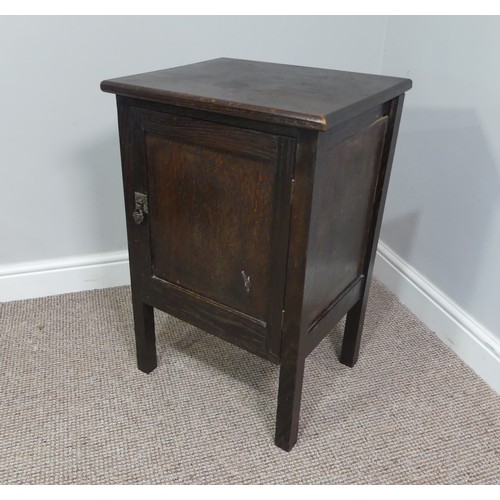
[141, 207]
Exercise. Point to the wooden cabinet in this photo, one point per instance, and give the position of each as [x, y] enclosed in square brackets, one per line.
[254, 195]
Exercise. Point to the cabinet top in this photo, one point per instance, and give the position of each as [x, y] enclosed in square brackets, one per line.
[302, 97]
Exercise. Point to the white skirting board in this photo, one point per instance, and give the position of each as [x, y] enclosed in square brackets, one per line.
[53, 277]
[471, 341]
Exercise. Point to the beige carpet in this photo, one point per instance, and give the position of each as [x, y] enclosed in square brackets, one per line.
[74, 408]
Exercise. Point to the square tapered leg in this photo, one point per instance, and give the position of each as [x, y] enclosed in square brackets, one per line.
[144, 336]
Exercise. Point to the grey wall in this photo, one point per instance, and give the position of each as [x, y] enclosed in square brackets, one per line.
[59, 157]
[443, 209]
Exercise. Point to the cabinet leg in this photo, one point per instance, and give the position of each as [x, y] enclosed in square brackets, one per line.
[144, 336]
[352, 333]
[289, 396]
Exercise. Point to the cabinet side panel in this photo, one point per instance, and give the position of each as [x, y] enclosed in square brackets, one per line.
[345, 182]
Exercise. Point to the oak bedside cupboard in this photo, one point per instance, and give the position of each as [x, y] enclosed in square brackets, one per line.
[254, 195]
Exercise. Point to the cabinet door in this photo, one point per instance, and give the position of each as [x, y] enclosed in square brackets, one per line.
[218, 220]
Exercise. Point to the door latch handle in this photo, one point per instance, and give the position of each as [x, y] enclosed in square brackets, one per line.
[141, 207]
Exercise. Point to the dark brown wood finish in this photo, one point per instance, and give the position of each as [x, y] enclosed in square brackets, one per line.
[296, 96]
[293, 346]
[355, 317]
[333, 313]
[264, 187]
[134, 179]
[271, 128]
[346, 176]
[219, 182]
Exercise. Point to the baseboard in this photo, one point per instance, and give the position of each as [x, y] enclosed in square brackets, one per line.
[53, 277]
[471, 341]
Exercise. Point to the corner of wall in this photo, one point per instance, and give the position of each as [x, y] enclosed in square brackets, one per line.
[384, 43]
[471, 341]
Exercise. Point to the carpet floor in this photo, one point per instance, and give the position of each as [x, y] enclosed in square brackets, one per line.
[75, 410]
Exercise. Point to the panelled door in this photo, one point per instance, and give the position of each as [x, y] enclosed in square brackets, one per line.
[218, 202]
